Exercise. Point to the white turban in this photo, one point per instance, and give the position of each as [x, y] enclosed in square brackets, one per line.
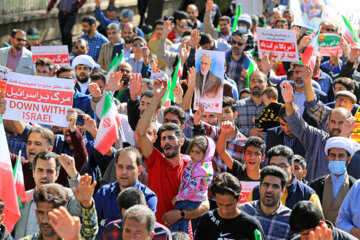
[83, 60]
[350, 145]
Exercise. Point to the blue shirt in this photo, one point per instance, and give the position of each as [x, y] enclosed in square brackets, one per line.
[349, 214]
[95, 44]
[275, 225]
[83, 102]
[337, 182]
[106, 205]
[105, 21]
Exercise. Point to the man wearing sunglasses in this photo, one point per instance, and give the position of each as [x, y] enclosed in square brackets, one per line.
[17, 57]
[139, 61]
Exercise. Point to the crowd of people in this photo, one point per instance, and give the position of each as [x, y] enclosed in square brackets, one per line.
[177, 173]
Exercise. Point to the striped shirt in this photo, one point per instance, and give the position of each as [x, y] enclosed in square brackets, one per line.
[275, 225]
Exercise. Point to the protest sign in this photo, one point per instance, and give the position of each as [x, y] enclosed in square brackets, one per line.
[37, 99]
[356, 132]
[209, 82]
[3, 78]
[246, 188]
[281, 44]
[59, 55]
[329, 43]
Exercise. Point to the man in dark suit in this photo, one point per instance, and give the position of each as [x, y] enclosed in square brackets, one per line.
[207, 83]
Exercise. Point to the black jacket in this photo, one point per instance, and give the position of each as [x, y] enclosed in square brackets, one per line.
[318, 185]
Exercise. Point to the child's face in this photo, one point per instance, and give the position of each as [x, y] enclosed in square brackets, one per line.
[266, 100]
[196, 154]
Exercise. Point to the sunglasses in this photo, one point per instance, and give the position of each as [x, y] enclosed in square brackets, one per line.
[20, 40]
[78, 47]
[138, 45]
[237, 43]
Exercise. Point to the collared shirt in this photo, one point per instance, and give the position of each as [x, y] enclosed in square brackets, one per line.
[95, 44]
[349, 214]
[105, 55]
[13, 61]
[89, 225]
[107, 208]
[67, 5]
[299, 99]
[275, 225]
[337, 182]
[234, 67]
[247, 111]
[114, 230]
[135, 64]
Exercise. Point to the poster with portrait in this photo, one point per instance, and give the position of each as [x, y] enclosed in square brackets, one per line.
[209, 82]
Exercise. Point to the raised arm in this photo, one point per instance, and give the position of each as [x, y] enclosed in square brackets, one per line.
[208, 25]
[161, 50]
[186, 103]
[226, 127]
[145, 143]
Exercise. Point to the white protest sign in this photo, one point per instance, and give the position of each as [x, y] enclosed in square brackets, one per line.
[246, 188]
[59, 55]
[37, 99]
[209, 84]
[281, 44]
[3, 78]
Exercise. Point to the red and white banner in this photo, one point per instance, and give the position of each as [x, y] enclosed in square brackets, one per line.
[59, 55]
[3, 78]
[281, 44]
[37, 99]
[246, 188]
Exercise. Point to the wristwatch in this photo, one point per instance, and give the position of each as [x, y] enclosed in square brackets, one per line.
[182, 213]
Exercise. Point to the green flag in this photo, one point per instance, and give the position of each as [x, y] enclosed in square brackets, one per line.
[114, 64]
[251, 68]
[235, 23]
[171, 86]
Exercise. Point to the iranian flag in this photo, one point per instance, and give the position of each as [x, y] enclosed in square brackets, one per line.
[169, 95]
[7, 184]
[108, 132]
[309, 55]
[350, 34]
[19, 181]
[252, 67]
[114, 64]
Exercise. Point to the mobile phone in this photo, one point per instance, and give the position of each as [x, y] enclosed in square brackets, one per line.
[80, 121]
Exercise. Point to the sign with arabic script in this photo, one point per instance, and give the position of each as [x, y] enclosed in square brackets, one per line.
[3, 78]
[279, 43]
[37, 99]
[59, 55]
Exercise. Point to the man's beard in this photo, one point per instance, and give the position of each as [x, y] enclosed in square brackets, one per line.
[174, 153]
[128, 40]
[83, 80]
[256, 93]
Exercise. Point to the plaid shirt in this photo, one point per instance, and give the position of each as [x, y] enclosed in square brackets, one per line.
[16, 143]
[234, 68]
[234, 146]
[95, 44]
[89, 225]
[114, 230]
[319, 112]
[275, 225]
[247, 111]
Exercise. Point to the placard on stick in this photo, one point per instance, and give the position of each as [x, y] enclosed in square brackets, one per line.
[37, 99]
[59, 55]
[281, 44]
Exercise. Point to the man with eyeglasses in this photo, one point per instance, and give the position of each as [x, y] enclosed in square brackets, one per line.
[295, 191]
[332, 188]
[17, 57]
[139, 61]
[236, 61]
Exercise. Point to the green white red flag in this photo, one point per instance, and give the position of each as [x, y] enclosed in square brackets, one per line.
[19, 181]
[350, 34]
[108, 132]
[310, 53]
[7, 184]
[114, 64]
